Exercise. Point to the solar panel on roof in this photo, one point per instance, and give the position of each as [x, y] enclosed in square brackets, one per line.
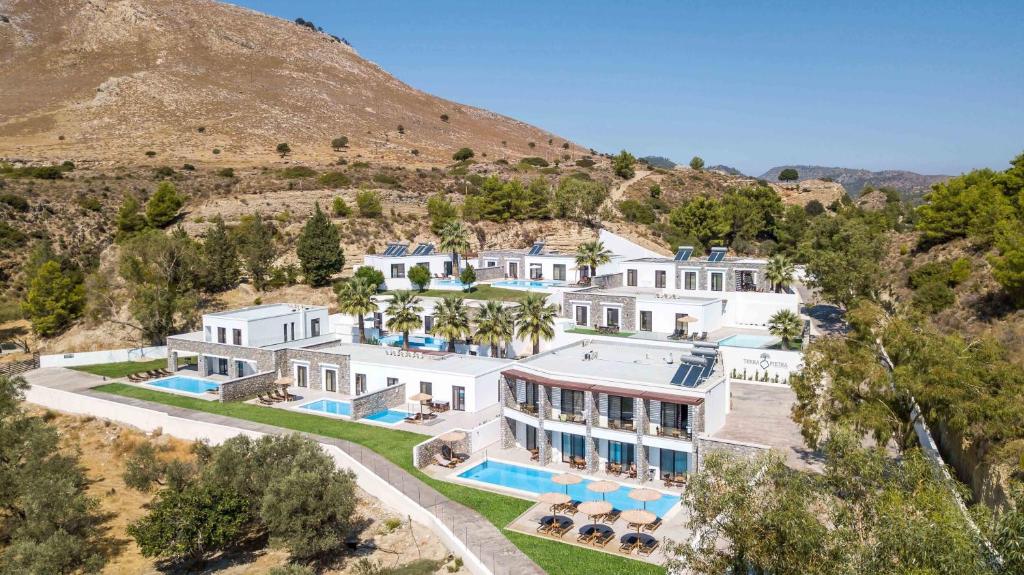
[399, 250]
[422, 250]
[683, 254]
[535, 250]
[717, 255]
[390, 250]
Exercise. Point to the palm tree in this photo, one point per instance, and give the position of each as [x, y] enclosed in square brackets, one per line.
[453, 239]
[535, 319]
[494, 325]
[786, 325]
[780, 271]
[355, 297]
[451, 319]
[591, 255]
[403, 314]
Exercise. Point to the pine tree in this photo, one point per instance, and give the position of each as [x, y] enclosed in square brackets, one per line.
[256, 248]
[129, 220]
[162, 208]
[319, 249]
[220, 259]
[54, 299]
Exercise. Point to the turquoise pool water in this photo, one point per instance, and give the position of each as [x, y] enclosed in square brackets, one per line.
[525, 284]
[416, 342]
[448, 284]
[388, 416]
[186, 384]
[539, 481]
[329, 406]
[748, 340]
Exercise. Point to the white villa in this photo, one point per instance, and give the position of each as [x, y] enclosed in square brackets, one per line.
[397, 259]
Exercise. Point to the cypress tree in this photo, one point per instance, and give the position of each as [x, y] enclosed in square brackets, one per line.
[319, 249]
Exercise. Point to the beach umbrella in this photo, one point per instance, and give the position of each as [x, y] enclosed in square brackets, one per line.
[452, 436]
[602, 487]
[420, 398]
[644, 494]
[595, 508]
[640, 517]
[567, 479]
[686, 319]
[553, 498]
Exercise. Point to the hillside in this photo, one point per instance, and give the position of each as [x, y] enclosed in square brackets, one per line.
[682, 184]
[114, 79]
[911, 185]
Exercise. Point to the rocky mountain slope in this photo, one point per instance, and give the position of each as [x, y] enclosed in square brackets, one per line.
[911, 185]
[197, 80]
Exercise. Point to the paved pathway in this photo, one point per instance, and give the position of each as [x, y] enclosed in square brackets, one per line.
[482, 538]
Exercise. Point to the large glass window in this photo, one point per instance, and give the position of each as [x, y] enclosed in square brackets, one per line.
[611, 317]
[558, 272]
[301, 376]
[236, 336]
[690, 280]
[631, 278]
[536, 272]
[717, 281]
[392, 381]
[673, 462]
[531, 397]
[360, 383]
[314, 327]
[428, 323]
[581, 315]
[659, 278]
[331, 379]
[531, 437]
[573, 446]
[620, 412]
[646, 320]
[673, 419]
[398, 270]
[622, 453]
[572, 403]
[427, 388]
[222, 336]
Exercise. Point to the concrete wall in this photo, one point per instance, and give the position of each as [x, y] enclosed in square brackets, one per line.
[776, 363]
[248, 387]
[370, 403]
[149, 420]
[105, 356]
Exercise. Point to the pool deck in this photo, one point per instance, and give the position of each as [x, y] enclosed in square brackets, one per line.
[674, 522]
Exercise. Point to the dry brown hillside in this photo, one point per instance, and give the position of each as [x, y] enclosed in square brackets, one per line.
[113, 79]
[682, 183]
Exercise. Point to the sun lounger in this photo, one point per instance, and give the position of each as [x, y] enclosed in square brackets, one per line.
[612, 516]
[653, 525]
[629, 543]
[647, 547]
[570, 508]
[545, 524]
[587, 533]
[560, 528]
[444, 462]
[602, 539]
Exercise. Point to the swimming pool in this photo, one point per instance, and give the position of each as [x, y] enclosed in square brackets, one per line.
[416, 342]
[526, 284]
[388, 416]
[186, 384]
[539, 481]
[448, 284]
[329, 406]
[749, 340]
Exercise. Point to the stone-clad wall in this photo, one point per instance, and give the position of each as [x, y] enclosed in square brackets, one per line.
[489, 274]
[503, 258]
[730, 267]
[627, 317]
[704, 445]
[265, 360]
[423, 454]
[248, 387]
[315, 359]
[607, 281]
[379, 400]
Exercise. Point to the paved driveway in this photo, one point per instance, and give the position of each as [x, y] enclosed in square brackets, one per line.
[63, 378]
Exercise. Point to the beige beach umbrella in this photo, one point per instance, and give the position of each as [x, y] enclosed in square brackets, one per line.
[643, 494]
[567, 479]
[686, 319]
[595, 508]
[419, 398]
[603, 487]
[640, 517]
[553, 498]
[453, 436]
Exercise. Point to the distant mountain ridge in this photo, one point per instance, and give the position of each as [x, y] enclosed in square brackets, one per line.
[910, 185]
[726, 170]
[659, 162]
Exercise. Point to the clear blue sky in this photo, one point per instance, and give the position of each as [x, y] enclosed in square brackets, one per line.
[934, 87]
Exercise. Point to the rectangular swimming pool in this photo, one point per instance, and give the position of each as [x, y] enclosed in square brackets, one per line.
[416, 342]
[526, 284]
[329, 406]
[388, 416]
[539, 481]
[186, 384]
[749, 340]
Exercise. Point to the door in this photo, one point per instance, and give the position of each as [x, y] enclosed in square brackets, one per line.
[611, 318]
[360, 383]
[513, 270]
[581, 315]
[301, 376]
[646, 319]
[531, 437]
[331, 380]
[458, 398]
[448, 268]
[222, 365]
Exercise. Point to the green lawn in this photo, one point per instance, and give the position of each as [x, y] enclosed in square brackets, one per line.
[588, 331]
[122, 368]
[480, 292]
[554, 557]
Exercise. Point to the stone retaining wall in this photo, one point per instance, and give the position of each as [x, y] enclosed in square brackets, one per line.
[607, 281]
[248, 387]
[379, 400]
[705, 445]
[489, 274]
[423, 454]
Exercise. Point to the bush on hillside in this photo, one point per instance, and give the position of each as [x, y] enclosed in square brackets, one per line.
[334, 180]
[462, 154]
[535, 161]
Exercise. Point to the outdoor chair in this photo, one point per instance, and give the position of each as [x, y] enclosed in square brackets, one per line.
[570, 508]
[704, 336]
[629, 543]
[603, 538]
[535, 454]
[653, 525]
[587, 533]
[612, 516]
[648, 546]
[545, 524]
[561, 528]
[440, 460]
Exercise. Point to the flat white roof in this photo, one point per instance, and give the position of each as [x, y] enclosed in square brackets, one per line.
[674, 367]
[263, 311]
[651, 294]
[456, 363]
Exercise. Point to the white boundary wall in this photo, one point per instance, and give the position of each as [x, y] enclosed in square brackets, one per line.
[150, 420]
[106, 356]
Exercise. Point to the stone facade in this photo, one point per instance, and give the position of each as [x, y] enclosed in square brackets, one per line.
[264, 358]
[489, 274]
[423, 454]
[248, 387]
[503, 257]
[315, 360]
[606, 281]
[594, 300]
[379, 400]
[730, 267]
[705, 445]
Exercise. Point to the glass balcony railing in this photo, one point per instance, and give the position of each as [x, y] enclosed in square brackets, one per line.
[675, 432]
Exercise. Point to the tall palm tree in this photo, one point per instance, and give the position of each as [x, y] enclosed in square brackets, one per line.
[535, 319]
[355, 297]
[494, 325]
[780, 271]
[451, 319]
[403, 314]
[591, 255]
[786, 325]
[454, 239]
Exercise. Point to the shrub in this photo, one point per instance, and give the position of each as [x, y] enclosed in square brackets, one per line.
[419, 276]
[226, 172]
[369, 204]
[283, 149]
[814, 208]
[150, 153]
[188, 167]
[373, 276]
[339, 142]
[697, 163]
[11, 238]
[386, 179]
[163, 172]
[639, 212]
[933, 297]
[462, 154]
[339, 208]
[623, 165]
[162, 208]
[216, 151]
[17, 202]
[468, 275]
[535, 161]
[89, 202]
[444, 117]
[414, 152]
[401, 129]
[585, 163]
[334, 180]
[294, 172]
[67, 166]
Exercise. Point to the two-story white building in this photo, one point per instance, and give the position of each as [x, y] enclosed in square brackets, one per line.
[397, 259]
